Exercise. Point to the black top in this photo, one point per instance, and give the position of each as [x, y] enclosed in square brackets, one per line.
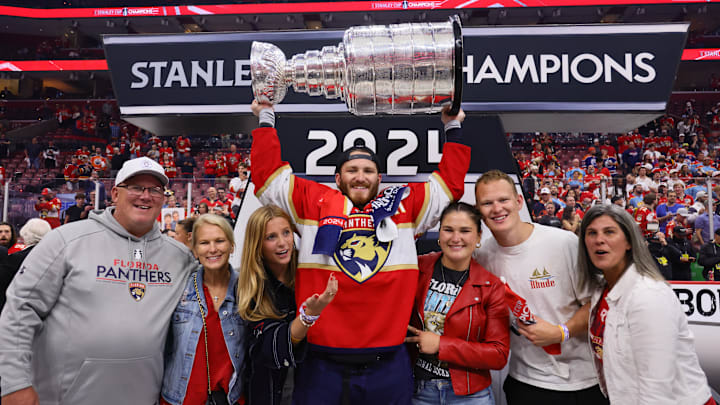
[271, 352]
[444, 287]
[74, 213]
[9, 266]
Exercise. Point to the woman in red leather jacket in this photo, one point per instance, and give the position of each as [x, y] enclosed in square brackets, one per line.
[460, 319]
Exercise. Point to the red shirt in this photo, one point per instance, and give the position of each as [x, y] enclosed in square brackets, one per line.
[687, 200]
[170, 169]
[212, 204]
[210, 165]
[537, 154]
[169, 150]
[81, 152]
[643, 215]
[221, 168]
[610, 150]
[597, 328]
[154, 140]
[183, 145]
[577, 211]
[590, 183]
[70, 172]
[233, 160]
[221, 368]
[16, 248]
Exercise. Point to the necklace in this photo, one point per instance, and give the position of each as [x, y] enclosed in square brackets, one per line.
[465, 273]
[216, 298]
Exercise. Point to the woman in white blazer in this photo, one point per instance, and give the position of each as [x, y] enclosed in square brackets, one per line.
[643, 349]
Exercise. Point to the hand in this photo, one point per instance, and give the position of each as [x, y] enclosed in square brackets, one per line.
[317, 302]
[25, 396]
[426, 342]
[447, 118]
[542, 333]
[661, 238]
[257, 106]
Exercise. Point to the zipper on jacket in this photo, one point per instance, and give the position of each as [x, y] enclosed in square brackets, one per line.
[467, 372]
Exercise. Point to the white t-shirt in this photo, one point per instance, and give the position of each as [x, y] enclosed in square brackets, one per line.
[543, 271]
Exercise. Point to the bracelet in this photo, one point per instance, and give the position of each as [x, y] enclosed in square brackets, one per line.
[304, 323]
[294, 340]
[307, 320]
[564, 331]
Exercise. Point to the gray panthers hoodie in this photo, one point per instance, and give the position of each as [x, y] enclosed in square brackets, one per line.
[87, 314]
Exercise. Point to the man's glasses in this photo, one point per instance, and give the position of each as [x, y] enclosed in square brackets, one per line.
[136, 191]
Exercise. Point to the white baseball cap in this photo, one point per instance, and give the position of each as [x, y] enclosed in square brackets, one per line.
[545, 190]
[141, 165]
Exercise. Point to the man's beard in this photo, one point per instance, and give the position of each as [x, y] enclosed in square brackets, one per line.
[373, 192]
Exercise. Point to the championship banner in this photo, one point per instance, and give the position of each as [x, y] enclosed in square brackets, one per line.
[545, 78]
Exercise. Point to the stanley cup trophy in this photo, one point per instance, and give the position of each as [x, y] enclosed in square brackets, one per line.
[395, 69]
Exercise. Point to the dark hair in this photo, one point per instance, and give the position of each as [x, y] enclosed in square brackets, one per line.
[348, 154]
[458, 206]
[649, 199]
[638, 254]
[186, 224]
[568, 212]
[13, 234]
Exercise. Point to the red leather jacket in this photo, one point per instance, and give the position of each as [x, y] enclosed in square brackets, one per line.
[476, 337]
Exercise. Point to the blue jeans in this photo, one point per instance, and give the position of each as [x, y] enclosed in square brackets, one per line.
[440, 392]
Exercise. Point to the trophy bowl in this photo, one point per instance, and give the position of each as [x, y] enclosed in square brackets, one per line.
[395, 69]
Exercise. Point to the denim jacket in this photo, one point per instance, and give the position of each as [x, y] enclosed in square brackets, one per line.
[186, 328]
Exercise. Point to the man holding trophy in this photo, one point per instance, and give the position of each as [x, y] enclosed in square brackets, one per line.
[367, 240]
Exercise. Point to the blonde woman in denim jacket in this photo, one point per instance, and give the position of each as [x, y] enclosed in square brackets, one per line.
[211, 318]
[643, 349]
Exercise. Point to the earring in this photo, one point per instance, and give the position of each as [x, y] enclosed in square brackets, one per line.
[477, 245]
[438, 242]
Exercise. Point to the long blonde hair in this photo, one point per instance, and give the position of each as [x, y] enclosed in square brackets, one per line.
[254, 303]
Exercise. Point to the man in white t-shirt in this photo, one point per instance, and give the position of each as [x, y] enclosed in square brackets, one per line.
[539, 264]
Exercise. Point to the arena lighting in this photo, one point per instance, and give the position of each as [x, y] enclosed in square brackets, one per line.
[52, 65]
[310, 7]
[701, 54]
[100, 64]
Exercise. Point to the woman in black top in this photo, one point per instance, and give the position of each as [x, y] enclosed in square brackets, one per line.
[266, 299]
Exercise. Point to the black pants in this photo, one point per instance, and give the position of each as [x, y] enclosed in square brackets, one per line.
[519, 393]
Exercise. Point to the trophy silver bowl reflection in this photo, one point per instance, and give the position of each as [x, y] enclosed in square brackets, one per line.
[396, 69]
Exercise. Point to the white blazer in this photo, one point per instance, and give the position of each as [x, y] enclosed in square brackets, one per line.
[648, 351]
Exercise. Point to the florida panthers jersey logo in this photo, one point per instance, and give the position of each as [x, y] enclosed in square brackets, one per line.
[137, 290]
[359, 253]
